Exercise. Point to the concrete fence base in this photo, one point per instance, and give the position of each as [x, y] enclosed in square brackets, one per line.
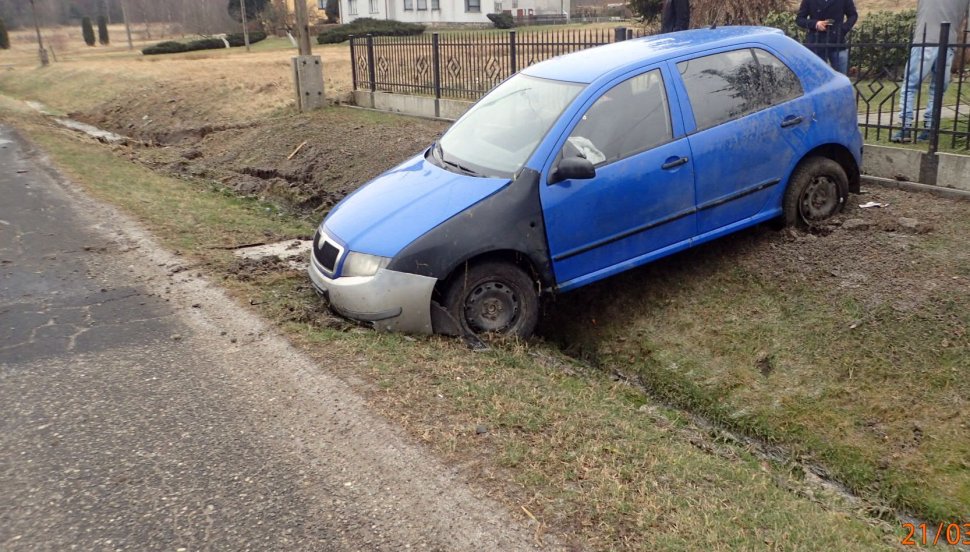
[421, 106]
[944, 170]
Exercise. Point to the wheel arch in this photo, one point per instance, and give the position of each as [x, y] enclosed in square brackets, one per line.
[841, 155]
[510, 256]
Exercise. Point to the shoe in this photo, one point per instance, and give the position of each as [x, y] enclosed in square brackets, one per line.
[900, 136]
[923, 136]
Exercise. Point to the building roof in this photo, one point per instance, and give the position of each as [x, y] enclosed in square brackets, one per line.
[587, 65]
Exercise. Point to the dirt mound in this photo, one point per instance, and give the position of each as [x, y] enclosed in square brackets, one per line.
[309, 162]
[235, 123]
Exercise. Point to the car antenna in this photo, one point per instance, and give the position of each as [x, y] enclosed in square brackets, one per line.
[717, 15]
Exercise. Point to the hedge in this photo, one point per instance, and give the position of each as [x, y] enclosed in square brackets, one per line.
[237, 39]
[87, 31]
[874, 29]
[171, 47]
[103, 30]
[4, 37]
[885, 26]
[366, 25]
[501, 20]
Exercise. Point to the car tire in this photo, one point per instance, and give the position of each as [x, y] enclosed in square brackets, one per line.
[817, 190]
[493, 298]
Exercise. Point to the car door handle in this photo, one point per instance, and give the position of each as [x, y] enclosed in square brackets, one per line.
[792, 120]
[673, 162]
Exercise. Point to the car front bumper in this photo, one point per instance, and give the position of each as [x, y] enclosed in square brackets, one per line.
[390, 300]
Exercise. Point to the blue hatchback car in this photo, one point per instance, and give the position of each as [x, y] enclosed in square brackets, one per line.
[586, 165]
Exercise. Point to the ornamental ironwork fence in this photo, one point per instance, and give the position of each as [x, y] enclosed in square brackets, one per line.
[466, 65]
[462, 65]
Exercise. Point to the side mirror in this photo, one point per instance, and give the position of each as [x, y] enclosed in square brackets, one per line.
[578, 168]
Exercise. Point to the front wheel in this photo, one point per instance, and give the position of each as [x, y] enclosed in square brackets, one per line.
[493, 298]
[816, 191]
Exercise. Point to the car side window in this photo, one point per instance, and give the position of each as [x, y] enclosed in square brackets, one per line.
[722, 86]
[777, 79]
[729, 85]
[627, 119]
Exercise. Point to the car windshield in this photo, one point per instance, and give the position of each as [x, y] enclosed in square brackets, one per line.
[500, 132]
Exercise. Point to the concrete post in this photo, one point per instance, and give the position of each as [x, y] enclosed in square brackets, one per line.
[308, 76]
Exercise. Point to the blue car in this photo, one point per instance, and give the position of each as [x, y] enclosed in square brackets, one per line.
[587, 165]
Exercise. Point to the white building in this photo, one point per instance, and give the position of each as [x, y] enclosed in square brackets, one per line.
[440, 12]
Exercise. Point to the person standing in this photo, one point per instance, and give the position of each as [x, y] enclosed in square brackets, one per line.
[828, 22]
[923, 61]
[675, 16]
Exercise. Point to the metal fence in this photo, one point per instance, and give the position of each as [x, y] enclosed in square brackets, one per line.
[462, 65]
[465, 65]
[879, 60]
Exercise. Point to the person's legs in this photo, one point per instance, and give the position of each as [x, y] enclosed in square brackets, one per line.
[839, 59]
[928, 114]
[919, 65]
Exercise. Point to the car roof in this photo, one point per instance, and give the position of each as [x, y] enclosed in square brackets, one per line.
[587, 65]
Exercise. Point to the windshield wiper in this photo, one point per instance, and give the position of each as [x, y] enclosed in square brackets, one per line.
[459, 166]
[465, 170]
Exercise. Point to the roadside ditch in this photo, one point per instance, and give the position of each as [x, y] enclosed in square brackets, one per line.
[309, 166]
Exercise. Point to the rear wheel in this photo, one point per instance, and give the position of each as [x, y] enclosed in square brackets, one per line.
[493, 298]
[817, 191]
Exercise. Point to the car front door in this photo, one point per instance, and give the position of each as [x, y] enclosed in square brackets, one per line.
[640, 203]
[750, 118]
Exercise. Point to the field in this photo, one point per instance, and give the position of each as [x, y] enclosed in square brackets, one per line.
[772, 389]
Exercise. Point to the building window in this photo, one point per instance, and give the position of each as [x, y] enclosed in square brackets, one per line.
[473, 6]
[408, 4]
[436, 4]
[422, 4]
[352, 7]
[373, 6]
[498, 7]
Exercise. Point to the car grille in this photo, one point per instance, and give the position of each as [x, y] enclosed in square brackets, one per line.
[326, 255]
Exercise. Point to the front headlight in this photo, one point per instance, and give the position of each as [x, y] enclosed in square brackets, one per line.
[361, 264]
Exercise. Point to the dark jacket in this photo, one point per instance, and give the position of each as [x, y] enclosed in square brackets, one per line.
[675, 16]
[842, 11]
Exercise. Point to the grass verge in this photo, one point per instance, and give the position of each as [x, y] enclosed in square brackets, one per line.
[853, 352]
[587, 456]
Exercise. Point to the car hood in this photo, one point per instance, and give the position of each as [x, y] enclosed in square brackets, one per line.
[401, 205]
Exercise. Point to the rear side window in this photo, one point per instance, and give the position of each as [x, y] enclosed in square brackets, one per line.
[778, 81]
[627, 119]
[729, 85]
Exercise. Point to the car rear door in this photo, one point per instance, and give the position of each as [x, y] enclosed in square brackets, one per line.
[640, 204]
[746, 119]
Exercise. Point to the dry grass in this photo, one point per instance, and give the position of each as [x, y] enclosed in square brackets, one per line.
[224, 86]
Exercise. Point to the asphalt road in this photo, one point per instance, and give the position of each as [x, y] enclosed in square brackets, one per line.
[143, 410]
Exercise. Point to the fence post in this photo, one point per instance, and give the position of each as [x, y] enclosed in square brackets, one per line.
[436, 66]
[370, 63]
[938, 77]
[353, 62]
[619, 34]
[436, 73]
[512, 47]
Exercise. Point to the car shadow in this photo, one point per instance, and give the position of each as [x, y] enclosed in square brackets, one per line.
[579, 322]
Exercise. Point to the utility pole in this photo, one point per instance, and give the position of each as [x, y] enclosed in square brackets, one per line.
[124, 13]
[302, 27]
[40, 43]
[242, 8]
[307, 68]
